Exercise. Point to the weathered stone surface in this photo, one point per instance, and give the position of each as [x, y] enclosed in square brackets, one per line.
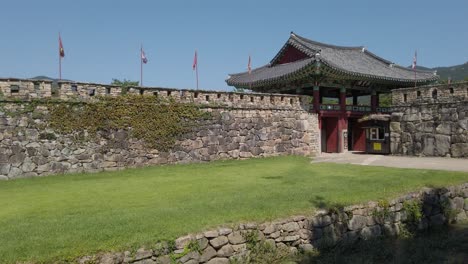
[191, 256]
[321, 221]
[306, 247]
[269, 229]
[211, 234]
[219, 261]
[208, 254]
[4, 169]
[236, 238]
[370, 232]
[459, 150]
[143, 253]
[144, 261]
[111, 258]
[291, 238]
[219, 241]
[357, 222]
[202, 243]
[224, 231]
[225, 251]
[290, 227]
[163, 260]
[457, 203]
[181, 242]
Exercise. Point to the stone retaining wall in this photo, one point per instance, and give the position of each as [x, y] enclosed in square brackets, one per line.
[28, 149]
[326, 228]
[433, 121]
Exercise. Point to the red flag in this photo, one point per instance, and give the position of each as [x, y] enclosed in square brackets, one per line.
[249, 68]
[61, 50]
[195, 61]
[143, 56]
[414, 60]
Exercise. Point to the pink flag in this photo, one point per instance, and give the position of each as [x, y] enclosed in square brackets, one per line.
[195, 61]
[248, 66]
[143, 57]
[61, 50]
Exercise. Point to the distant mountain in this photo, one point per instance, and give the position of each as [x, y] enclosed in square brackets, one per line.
[457, 72]
[43, 77]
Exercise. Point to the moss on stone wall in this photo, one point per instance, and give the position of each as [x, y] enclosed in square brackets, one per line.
[158, 122]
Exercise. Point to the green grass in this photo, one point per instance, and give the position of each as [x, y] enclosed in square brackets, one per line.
[65, 216]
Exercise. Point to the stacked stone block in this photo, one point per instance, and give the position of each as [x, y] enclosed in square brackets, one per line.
[430, 126]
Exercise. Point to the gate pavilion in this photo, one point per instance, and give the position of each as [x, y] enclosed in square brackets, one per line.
[336, 77]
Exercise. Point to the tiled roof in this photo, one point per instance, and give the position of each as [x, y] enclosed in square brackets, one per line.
[354, 62]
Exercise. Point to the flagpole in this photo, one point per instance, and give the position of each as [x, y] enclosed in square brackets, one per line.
[60, 67]
[196, 69]
[141, 65]
[250, 73]
[415, 64]
[60, 60]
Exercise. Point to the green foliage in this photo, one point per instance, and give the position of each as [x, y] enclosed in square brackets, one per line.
[406, 232]
[449, 212]
[47, 136]
[384, 210]
[413, 211]
[251, 239]
[125, 84]
[22, 109]
[192, 246]
[156, 121]
[385, 100]
[263, 252]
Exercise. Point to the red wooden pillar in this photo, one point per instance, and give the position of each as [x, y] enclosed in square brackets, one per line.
[374, 101]
[342, 123]
[343, 99]
[316, 94]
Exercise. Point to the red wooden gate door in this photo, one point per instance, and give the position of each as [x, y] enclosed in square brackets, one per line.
[331, 128]
[359, 136]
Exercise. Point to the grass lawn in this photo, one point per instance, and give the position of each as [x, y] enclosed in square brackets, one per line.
[65, 216]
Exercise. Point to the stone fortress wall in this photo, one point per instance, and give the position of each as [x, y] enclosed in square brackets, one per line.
[430, 121]
[243, 125]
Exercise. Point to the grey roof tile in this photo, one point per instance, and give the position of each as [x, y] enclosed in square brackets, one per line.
[351, 61]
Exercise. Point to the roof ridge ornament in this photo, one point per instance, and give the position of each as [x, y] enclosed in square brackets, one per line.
[363, 49]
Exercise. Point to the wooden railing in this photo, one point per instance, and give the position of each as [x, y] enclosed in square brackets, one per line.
[354, 108]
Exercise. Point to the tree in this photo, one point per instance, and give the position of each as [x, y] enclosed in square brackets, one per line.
[241, 90]
[125, 84]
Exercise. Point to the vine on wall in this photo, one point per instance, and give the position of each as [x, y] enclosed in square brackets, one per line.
[156, 121]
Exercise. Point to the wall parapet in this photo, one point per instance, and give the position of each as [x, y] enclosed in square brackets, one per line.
[438, 93]
[28, 89]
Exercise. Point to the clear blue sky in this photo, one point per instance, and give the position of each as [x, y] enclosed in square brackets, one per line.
[102, 38]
